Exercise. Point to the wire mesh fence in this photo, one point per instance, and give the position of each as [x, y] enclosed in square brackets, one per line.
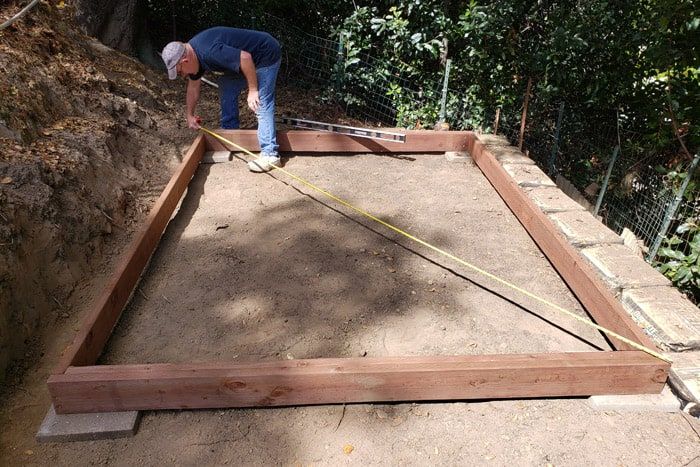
[630, 184]
[370, 91]
[638, 202]
[610, 165]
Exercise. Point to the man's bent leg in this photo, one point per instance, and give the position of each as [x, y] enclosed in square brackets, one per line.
[230, 87]
[267, 136]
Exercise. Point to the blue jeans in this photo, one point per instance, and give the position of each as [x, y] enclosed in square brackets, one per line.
[230, 87]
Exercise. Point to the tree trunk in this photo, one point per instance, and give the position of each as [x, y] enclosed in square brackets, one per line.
[112, 22]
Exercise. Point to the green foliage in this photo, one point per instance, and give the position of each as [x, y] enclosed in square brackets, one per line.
[681, 258]
[598, 56]
[181, 19]
[674, 178]
[405, 44]
[638, 58]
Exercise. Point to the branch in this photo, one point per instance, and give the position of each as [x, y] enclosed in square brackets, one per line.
[18, 15]
[674, 124]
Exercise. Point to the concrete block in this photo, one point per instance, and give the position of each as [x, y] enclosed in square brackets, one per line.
[493, 140]
[572, 192]
[685, 374]
[664, 402]
[552, 199]
[86, 427]
[215, 157]
[527, 175]
[675, 318]
[583, 230]
[620, 268]
[633, 243]
[509, 155]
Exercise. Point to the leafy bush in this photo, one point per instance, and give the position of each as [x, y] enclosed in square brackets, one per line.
[681, 254]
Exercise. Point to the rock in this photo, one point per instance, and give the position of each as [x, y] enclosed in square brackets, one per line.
[5, 132]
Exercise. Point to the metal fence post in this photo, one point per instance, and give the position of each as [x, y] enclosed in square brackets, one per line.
[671, 212]
[340, 64]
[604, 188]
[555, 148]
[443, 101]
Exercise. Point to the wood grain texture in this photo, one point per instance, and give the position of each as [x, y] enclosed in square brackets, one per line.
[107, 308]
[76, 387]
[332, 381]
[318, 141]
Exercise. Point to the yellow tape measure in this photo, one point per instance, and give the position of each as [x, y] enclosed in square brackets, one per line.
[451, 256]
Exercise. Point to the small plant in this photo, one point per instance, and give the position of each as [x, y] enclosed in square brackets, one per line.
[681, 255]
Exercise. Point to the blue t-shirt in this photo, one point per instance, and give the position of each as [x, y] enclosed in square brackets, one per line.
[219, 49]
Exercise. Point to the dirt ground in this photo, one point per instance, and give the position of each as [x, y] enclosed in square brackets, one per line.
[88, 139]
[256, 267]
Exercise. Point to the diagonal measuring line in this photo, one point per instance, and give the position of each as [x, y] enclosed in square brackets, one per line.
[451, 256]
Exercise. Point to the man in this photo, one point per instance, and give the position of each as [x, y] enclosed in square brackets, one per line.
[245, 57]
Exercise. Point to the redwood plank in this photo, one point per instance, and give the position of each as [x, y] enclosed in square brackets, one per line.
[107, 308]
[605, 309]
[319, 141]
[327, 381]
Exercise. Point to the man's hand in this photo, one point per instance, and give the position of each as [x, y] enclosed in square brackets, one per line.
[253, 99]
[193, 121]
[248, 70]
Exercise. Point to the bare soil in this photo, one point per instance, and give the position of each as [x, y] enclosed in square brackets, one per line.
[258, 268]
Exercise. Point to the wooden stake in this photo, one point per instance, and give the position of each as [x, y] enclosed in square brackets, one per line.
[524, 116]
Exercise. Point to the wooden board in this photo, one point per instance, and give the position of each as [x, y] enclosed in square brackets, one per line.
[605, 309]
[332, 381]
[315, 141]
[78, 387]
[107, 308]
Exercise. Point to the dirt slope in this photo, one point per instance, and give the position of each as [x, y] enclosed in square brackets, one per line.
[88, 139]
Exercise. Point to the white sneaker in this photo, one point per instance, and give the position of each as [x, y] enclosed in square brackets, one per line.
[264, 163]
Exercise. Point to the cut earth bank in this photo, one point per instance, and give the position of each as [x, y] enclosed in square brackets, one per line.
[89, 138]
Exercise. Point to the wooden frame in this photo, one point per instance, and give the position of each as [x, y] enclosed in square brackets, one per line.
[78, 385]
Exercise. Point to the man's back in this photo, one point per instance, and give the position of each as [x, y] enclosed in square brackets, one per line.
[219, 48]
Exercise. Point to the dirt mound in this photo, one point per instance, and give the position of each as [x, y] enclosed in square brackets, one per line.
[88, 137]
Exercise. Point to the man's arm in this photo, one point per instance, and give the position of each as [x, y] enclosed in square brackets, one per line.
[248, 70]
[193, 87]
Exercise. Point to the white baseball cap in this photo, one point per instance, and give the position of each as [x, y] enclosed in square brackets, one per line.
[172, 53]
